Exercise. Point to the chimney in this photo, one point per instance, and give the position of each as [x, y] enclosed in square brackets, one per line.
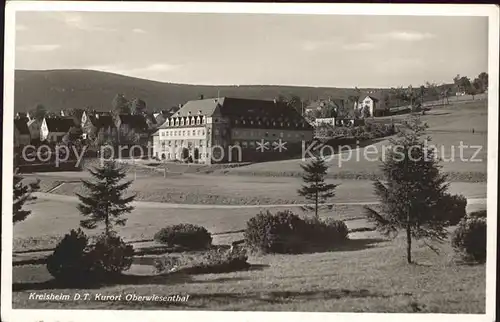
[201, 96]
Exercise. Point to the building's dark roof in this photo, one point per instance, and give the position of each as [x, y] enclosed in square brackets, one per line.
[59, 124]
[101, 120]
[22, 126]
[136, 122]
[246, 110]
[238, 107]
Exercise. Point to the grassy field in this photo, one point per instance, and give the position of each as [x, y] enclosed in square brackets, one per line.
[237, 190]
[50, 220]
[351, 279]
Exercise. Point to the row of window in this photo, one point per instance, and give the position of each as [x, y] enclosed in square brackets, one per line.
[177, 143]
[182, 121]
[266, 134]
[268, 123]
[173, 156]
[183, 133]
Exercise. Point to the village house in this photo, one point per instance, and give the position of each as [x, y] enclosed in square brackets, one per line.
[54, 129]
[21, 133]
[92, 123]
[374, 106]
[128, 125]
[204, 130]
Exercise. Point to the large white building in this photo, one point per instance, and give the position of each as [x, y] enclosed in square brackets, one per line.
[231, 130]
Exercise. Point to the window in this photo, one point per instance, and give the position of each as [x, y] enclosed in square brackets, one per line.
[235, 121]
[252, 144]
[251, 122]
[274, 134]
[282, 135]
[236, 132]
[183, 133]
[202, 132]
[236, 143]
[266, 134]
[244, 144]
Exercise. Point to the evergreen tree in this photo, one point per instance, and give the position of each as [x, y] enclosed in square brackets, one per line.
[120, 104]
[414, 192]
[315, 189]
[105, 202]
[22, 194]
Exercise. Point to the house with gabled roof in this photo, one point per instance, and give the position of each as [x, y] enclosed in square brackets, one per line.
[373, 105]
[92, 123]
[53, 129]
[206, 130]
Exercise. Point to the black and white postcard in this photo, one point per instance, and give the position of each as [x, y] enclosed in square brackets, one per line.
[249, 162]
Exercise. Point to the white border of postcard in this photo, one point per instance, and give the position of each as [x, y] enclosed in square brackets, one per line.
[8, 314]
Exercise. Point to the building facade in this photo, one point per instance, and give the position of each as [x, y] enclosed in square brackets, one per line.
[231, 130]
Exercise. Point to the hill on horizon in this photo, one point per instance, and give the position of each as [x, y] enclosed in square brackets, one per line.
[63, 89]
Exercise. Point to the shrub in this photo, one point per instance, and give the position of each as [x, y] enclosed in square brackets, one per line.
[469, 239]
[189, 236]
[325, 232]
[68, 263]
[478, 214]
[285, 232]
[279, 233]
[212, 261]
[109, 257]
[453, 208]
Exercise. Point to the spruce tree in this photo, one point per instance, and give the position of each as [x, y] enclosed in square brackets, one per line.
[22, 194]
[413, 194]
[105, 201]
[314, 189]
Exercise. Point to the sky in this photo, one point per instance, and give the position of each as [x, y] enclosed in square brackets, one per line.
[257, 49]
